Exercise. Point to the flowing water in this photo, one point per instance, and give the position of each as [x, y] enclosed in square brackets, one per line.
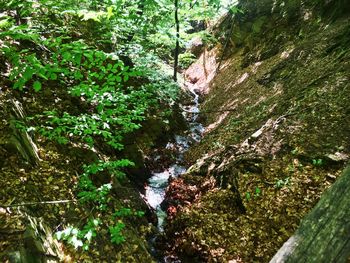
[155, 190]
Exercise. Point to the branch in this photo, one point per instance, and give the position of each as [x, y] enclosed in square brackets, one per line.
[177, 45]
[215, 111]
[40, 203]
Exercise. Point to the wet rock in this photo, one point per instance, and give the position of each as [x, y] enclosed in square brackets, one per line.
[186, 98]
[201, 98]
[202, 118]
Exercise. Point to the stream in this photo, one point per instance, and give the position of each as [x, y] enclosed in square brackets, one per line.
[157, 184]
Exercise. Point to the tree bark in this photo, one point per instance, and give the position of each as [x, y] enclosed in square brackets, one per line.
[177, 47]
[324, 234]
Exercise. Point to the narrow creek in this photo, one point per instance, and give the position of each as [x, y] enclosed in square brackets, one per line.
[157, 184]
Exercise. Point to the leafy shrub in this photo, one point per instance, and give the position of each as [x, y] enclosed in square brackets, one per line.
[79, 238]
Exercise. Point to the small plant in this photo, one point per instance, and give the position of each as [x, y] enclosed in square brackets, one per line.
[296, 151]
[317, 162]
[218, 145]
[282, 183]
[257, 192]
[79, 238]
[247, 196]
[116, 235]
[116, 230]
[82, 238]
[291, 168]
[209, 39]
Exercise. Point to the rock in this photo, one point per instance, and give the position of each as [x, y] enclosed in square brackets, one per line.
[186, 97]
[38, 244]
[20, 141]
[322, 235]
[338, 157]
[196, 46]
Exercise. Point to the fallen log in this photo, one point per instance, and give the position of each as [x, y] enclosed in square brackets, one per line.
[324, 234]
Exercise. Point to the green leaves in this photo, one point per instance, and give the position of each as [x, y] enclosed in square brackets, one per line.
[317, 162]
[110, 165]
[88, 192]
[257, 192]
[37, 86]
[65, 48]
[124, 212]
[110, 12]
[247, 196]
[116, 235]
[53, 76]
[79, 238]
[282, 183]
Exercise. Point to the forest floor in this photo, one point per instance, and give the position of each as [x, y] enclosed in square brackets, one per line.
[277, 135]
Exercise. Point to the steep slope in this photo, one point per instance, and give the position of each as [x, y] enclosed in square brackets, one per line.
[277, 118]
[67, 140]
[44, 172]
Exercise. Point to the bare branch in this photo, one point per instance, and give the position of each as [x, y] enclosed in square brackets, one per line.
[40, 203]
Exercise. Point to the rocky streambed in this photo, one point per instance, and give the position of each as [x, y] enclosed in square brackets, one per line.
[155, 189]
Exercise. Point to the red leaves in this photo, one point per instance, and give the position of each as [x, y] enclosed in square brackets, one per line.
[178, 195]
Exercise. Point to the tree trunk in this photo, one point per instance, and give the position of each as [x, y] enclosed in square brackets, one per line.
[177, 47]
[324, 234]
